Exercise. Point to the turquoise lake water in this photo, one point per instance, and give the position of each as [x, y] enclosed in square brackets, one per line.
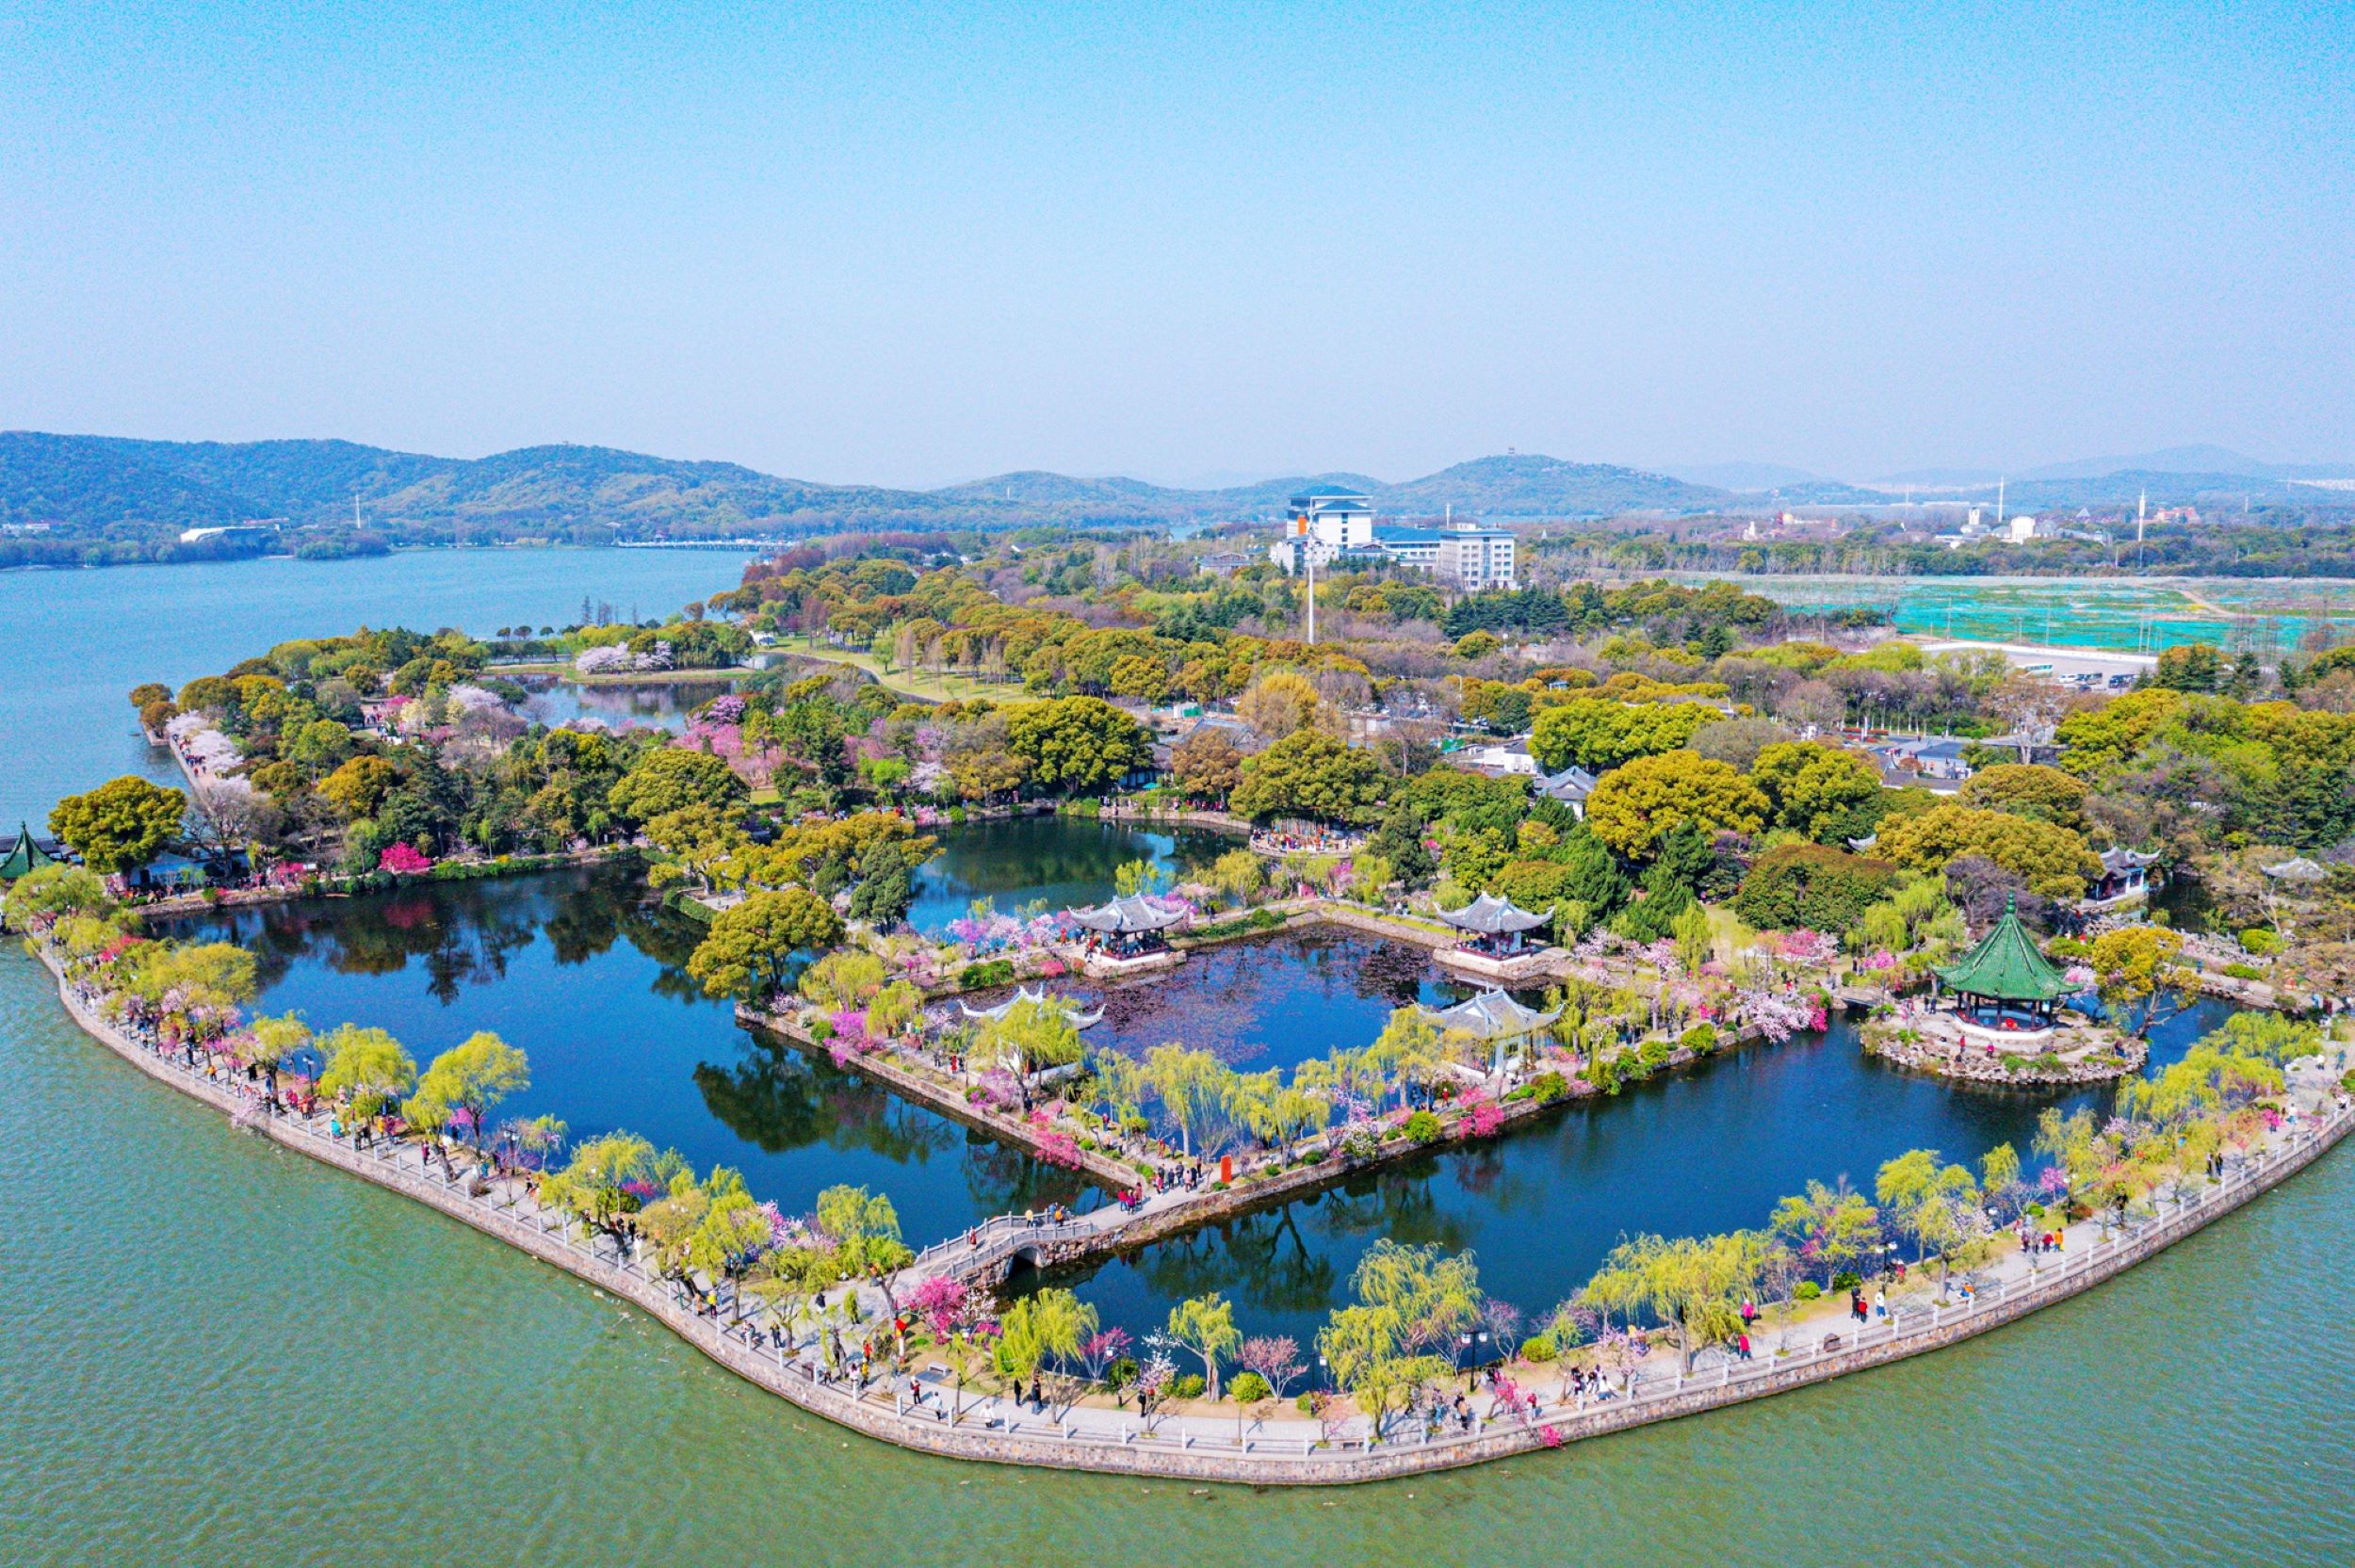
[78, 642]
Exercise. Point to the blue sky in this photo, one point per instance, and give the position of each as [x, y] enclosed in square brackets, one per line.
[913, 244]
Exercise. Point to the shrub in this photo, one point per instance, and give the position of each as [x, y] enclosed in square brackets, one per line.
[1121, 1373]
[1547, 1086]
[1422, 1126]
[1248, 1388]
[821, 1030]
[1185, 1386]
[1605, 1073]
[1847, 1279]
[1812, 885]
[2244, 971]
[1306, 1404]
[2260, 942]
[1809, 1290]
[980, 977]
[1653, 1055]
[1538, 1350]
[1701, 1039]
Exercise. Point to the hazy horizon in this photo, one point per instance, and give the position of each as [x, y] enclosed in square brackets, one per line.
[916, 245]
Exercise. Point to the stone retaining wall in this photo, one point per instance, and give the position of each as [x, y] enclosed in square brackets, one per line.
[1142, 1454]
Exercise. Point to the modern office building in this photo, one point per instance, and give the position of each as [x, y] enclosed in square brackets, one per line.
[1475, 559]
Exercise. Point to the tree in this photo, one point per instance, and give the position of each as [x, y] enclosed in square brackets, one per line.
[2140, 976]
[1311, 774]
[1207, 765]
[121, 825]
[1811, 885]
[593, 1185]
[58, 890]
[475, 1074]
[1049, 1325]
[1634, 806]
[1692, 1285]
[1737, 742]
[1192, 1086]
[369, 1067]
[673, 778]
[1031, 1037]
[1826, 793]
[1600, 732]
[271, 1041]
[2044, 794]
[842, 980]
[2055, 861]
[1279, 703]
[1236, 874]
[865, 1228]
[1205, 1326]
[1076, 745]
[747, 951]
[1276, 1358]
[1938, 1203]
[358, 786]
[1411, 1301]
[1829, 1228]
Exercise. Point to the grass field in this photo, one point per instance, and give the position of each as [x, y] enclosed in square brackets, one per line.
[930, 687]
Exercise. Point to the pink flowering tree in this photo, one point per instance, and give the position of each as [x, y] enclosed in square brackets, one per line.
[403, 860]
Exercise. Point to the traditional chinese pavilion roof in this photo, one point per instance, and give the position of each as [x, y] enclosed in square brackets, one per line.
[1490, 1014]
[1024, 994]
[2005, 965]
[1124, 915]
[2117, 860]
[24, 855]
[1490, 916]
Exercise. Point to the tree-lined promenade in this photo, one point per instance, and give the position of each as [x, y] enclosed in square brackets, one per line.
[1332, 1443]
[835, 1299]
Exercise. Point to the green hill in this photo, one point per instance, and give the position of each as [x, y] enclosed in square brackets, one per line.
[100, 498]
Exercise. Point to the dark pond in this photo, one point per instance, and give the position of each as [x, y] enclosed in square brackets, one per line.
[1272, 1001]
[586, 973]
[1708, 1149]
[1061, 860]
[664, 704]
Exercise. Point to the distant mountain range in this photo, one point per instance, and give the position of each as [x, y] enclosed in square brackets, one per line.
[96, 483]
[95, 498]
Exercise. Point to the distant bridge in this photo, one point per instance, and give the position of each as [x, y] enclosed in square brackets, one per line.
[749, 546]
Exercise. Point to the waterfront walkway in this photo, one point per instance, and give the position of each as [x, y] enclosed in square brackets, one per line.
[923, 1409]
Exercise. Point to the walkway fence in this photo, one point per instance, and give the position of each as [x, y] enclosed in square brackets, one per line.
[906, 1410]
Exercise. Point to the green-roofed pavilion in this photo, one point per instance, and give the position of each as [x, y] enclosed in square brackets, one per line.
[2003, 982]
[24, 855]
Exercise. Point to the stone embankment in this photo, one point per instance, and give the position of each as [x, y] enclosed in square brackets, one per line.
[1199, 1449]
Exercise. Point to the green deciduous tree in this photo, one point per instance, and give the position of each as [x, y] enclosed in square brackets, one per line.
[1600, 732]
[1309, 773]
[2045, 794]
[1633, 807]
[1826, 793]
[748, 947]
[2141, 975]
[475, 1074]
[1076, 745]
[1205, 1326]
[2055, 861]
[367, 1066]
[672, 778]
[121, 825]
